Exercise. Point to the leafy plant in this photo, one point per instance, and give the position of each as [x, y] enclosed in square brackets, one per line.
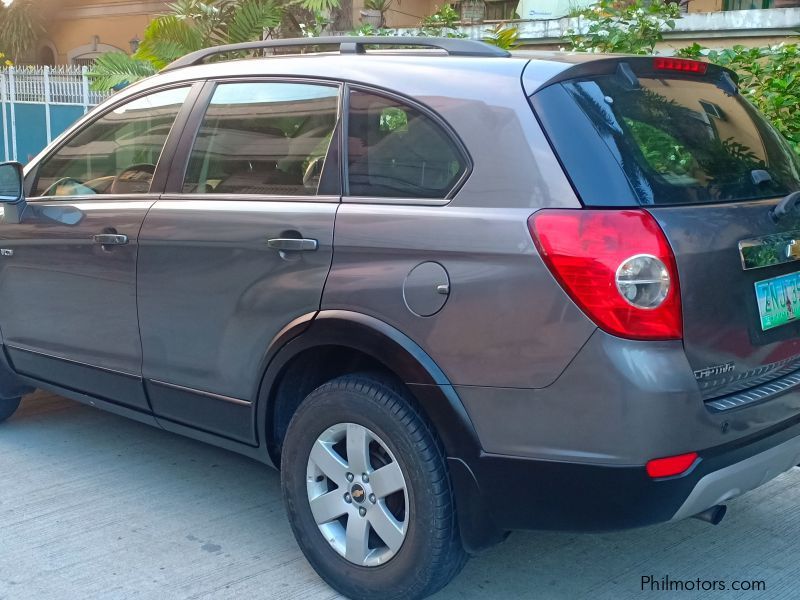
[381, 6]
[366, 29]
[20, 27]
[622, 27]
[315, 27]
[191, 25]
[115, 70]
[768, 76]
[503, 36]
[442, 23]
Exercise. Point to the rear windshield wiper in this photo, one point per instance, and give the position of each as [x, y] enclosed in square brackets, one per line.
[784, 207]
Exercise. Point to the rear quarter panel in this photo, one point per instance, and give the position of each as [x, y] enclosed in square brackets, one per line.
[506, 321]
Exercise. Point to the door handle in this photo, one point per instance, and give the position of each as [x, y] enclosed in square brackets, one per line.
[111, 239]
[293, 244]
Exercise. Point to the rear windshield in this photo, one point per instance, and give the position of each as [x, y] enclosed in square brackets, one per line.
[682, 141]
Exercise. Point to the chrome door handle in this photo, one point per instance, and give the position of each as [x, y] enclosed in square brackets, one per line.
[293, 244]
[111, 239]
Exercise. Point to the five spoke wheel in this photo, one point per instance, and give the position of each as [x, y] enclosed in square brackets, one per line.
[358, 494]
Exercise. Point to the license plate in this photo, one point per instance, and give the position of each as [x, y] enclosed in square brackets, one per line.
[778, 300]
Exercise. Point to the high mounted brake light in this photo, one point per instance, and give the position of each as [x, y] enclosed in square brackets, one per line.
[680, 65]
[617, 266]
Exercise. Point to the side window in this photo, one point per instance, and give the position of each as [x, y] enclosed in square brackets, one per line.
[396, 151]
[263, 138]
[116, 154]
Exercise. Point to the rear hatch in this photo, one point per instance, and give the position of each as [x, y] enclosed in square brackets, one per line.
[677, 139]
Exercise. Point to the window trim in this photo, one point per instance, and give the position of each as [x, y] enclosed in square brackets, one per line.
[448, 130]
[161, 171]
[183, 151]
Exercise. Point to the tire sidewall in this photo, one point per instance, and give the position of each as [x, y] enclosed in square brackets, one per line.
[321, 410]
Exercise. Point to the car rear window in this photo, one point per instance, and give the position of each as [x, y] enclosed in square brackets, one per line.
[677, 141]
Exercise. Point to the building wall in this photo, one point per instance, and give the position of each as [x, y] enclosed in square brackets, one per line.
[83, 28]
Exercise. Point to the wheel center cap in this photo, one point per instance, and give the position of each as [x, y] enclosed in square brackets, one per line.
[357, 493]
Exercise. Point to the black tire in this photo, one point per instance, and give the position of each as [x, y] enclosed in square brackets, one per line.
[431, 554]
[8, 408]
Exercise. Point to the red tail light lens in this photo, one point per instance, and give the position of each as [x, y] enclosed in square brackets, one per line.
[617, 266]
[681, 65]
[671, 465]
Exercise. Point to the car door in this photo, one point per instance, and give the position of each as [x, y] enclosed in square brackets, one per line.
[68, 268]
[238, 247]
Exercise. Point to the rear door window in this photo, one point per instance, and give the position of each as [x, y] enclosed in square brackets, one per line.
[267, 138]
[680, 141]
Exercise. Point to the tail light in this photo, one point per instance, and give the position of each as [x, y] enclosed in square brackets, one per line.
[617, 266]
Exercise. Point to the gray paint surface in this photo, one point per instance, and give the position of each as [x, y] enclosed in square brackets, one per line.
[506, 322]
[95, 506]
[212, 294]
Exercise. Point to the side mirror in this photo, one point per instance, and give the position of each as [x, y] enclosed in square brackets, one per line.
[11, 183]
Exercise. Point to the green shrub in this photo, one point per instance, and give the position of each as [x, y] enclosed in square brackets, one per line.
[622, 27]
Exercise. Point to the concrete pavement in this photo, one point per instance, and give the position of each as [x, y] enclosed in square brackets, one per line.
[93, 506]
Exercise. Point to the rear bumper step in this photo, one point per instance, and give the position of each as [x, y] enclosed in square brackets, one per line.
[734, 480]
[760, 393]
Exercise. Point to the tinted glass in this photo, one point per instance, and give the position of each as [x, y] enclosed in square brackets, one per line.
[263, 138]
[117, 154]
[683, 141]
[396, 151]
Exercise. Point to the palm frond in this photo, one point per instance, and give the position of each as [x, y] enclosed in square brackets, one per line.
[168, 38]
[251, 19]
[319, 5]
[114, 70]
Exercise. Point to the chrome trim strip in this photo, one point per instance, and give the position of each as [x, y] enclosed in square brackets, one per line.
[396, 201]
[201, 393]
[758, 394]
[770, 250]
[211, 197]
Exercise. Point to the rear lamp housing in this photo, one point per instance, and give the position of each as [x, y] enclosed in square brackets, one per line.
[616, 265]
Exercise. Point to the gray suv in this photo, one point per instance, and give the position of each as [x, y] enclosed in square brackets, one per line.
[448, 291]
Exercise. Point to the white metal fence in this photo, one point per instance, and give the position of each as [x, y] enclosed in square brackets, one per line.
[48, 88]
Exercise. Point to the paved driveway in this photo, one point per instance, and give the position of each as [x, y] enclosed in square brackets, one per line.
[93, 506]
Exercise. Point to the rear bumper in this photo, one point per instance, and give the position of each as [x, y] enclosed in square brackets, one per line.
[518, 493]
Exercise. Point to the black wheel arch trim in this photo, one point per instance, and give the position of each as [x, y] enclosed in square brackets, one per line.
[389, 346]
[425, 380]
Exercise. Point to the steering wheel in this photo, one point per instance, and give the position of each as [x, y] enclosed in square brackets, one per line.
[135, 179]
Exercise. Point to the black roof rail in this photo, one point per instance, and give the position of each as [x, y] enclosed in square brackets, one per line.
[348, 45]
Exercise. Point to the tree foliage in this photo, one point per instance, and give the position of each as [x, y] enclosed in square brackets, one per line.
[503, 36]
[20, 27]
[622, 27]
[191, 25]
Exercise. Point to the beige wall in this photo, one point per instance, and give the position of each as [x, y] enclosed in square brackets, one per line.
[699, 6]
[78, 27]
[406, 13]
